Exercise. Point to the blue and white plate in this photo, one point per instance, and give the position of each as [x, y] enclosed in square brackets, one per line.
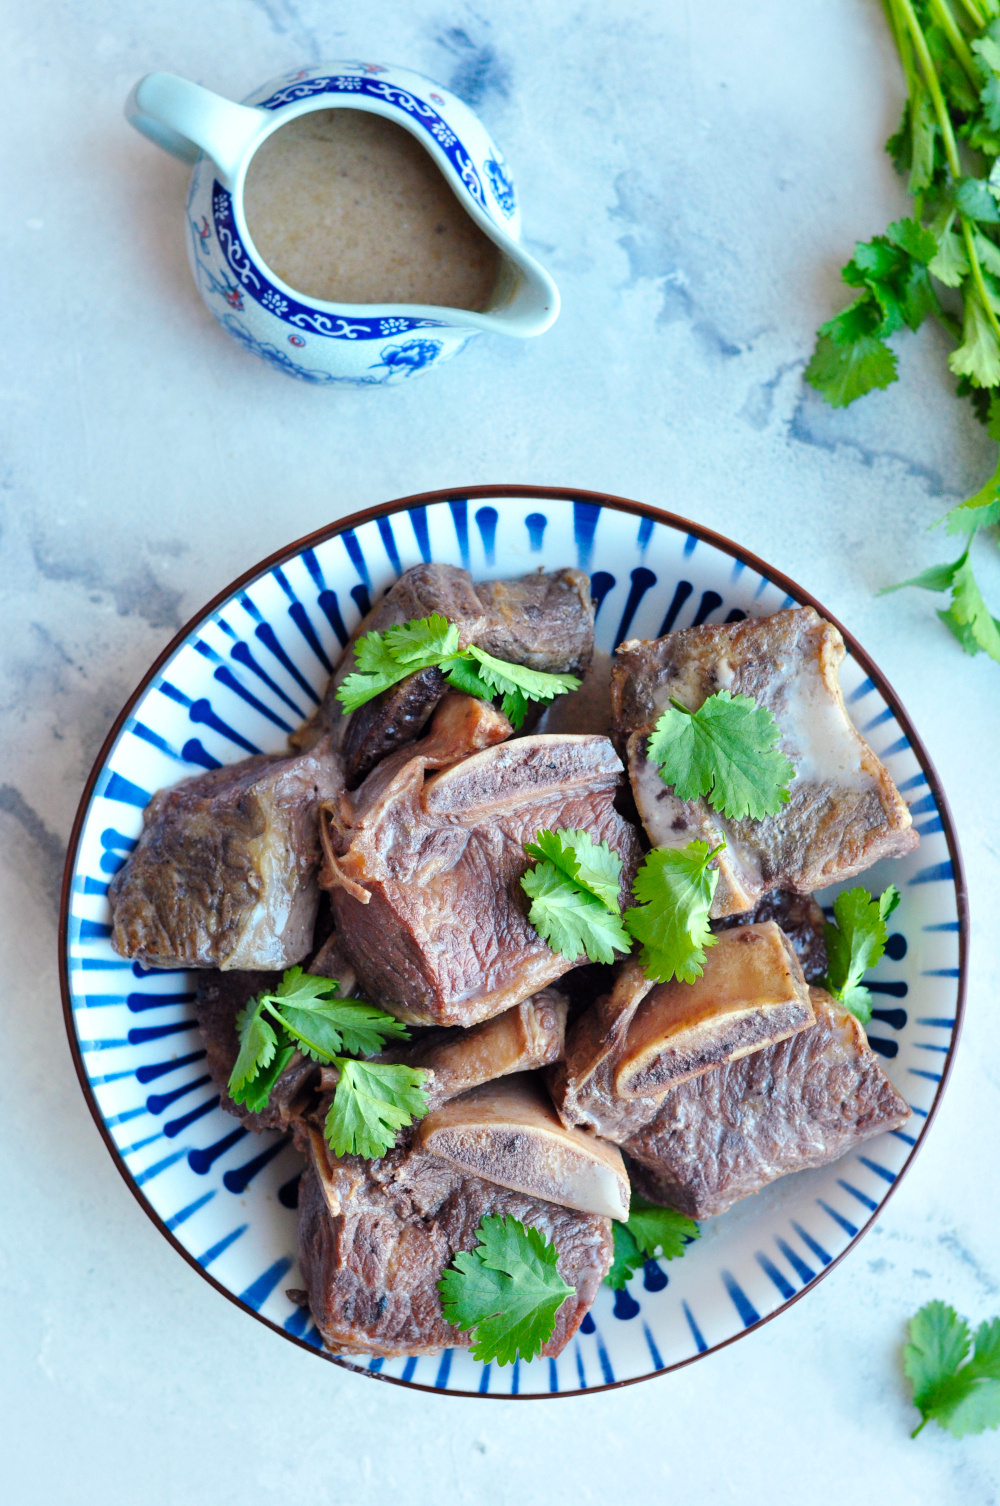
[237, 680]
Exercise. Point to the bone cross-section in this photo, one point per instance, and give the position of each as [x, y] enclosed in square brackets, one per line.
[844, 813]
[425, 872]
[801, 1103]
[630, 1049]
[509, 1133]
[224, 873]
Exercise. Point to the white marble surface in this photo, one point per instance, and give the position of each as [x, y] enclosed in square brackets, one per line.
[693, 175]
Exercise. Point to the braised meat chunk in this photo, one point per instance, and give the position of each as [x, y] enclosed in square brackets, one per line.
[224, 873]
[545, 622]
[645, 1039]
[375, 1237]
[425, 871]
[731, 1131]
[844, 814]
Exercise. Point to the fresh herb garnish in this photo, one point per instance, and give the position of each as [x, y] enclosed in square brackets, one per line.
[726, 750]
[371, 1101]
[854, 943]
[952, 67]
[675, 888]
[507, 1291]
[651, 1233]
[968, 617]
[383, 659]
[574, 890]
[956, 1392]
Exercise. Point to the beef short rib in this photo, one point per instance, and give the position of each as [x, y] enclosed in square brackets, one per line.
[224, 873]
[645, 1040]
[801, 1103]
[425, 872]
[844, 813]
[545, 622]
[375, 1237]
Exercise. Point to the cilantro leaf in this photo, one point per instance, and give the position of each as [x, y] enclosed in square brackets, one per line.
[675, 887]
[970, 611]
[854, 943]
[725, 750]
[258, 1044]
[978, 356]
[950, 263]
[627, 1258]
[572, 920]
[383, 659]
[325, 1028]
[975, 200]
[423, 641]
[843, 371]
[371, 1102]
[981, 510]
[255, 1094]
[507, 1291]
[596, 867]
[461, 675]
[650, 1233]
[959, 1393]
[518, 684]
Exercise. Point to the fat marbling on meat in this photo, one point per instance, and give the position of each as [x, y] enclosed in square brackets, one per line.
[375, 1237]
[644, 1039]
[425, 871]
[224, 873]
[801, 1103]
[844, 813]
[543, 621]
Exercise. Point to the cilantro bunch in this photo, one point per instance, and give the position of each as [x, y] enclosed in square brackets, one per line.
[650, 1233]
[506, 1292]
[855, 941]
[948, 143]
[371, 1101]
[383, 659]
[957, 1391]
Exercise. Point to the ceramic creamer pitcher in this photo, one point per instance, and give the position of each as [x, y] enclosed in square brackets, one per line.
[328, 343]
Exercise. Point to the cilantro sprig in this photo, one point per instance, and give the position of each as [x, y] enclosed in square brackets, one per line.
[675, 887]
[958, 1392]
[574, 890]
[383, 659]
[651, 1233]
[726, 750]
[854, 943]
[506, 1292]
[951, 60]
[371, 1100]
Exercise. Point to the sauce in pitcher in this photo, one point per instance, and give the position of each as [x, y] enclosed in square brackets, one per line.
[347, 206]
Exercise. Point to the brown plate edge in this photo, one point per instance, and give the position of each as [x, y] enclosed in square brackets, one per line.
[452, 494]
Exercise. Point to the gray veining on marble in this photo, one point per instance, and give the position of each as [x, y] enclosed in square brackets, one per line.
[693, 176]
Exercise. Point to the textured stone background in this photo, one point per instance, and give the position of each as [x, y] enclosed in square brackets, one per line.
[693, 175]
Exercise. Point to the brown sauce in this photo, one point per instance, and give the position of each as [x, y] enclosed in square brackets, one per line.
[348, 207]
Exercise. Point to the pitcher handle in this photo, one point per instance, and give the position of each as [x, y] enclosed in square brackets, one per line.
[186, 119]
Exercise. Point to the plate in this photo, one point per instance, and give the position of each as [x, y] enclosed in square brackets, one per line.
[253, 665]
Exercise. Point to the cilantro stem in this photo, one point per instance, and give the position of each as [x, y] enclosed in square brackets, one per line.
[679, 707]
[972, 11]
[950, 145]
[946, 20]
[920, 1425]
